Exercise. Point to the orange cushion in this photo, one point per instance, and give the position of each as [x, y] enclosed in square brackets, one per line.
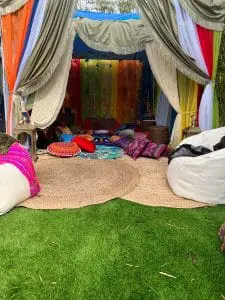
[84, 144]
[61, 149]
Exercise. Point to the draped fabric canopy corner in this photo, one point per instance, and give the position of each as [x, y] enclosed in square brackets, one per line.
[160, 20]
[33, 62]
[33, 50]
[188, 34]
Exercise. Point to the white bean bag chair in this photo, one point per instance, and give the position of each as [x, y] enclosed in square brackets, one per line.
[14, 187]
[200, 178]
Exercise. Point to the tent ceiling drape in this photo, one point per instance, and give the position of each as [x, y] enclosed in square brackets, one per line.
[159, 24]
[120, 37]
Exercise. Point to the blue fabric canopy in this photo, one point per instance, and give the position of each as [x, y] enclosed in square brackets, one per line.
[105, 16]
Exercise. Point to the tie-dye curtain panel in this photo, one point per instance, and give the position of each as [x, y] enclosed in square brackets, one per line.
[107, 89]
[129, 79]
[73, 100]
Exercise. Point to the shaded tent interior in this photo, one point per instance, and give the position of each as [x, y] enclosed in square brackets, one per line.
[136, 95]
[147, 90]
[99, 75]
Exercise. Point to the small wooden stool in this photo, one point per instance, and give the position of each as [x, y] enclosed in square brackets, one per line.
[30, 130]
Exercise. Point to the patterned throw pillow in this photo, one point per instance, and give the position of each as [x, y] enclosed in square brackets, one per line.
[124, 142]
[153, 150]
[136, 147]
[160, 150]
[150, 150]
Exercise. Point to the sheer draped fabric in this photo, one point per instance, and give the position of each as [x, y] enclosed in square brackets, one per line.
[49, 99]
[166, 75]
[46, 45]
[14, 30]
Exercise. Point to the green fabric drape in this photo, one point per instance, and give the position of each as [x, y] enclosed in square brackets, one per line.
[49, 99]
[49, 47]
[120, 37]
[216, 51]
[91, 75]
[160, 21]
[216, 113]
[207, 13]
[10, 6]
[110, 89]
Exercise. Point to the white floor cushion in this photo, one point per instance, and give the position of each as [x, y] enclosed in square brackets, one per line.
[200, 178]
[14, 187]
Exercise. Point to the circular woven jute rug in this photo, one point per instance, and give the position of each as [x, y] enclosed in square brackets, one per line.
[76, 182]
[153, 189]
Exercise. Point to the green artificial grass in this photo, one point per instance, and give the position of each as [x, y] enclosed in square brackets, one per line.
[112, 251]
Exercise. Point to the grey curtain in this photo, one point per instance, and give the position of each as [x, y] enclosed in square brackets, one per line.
[120, 37]
[49, 99]
[49, 48]
[10, 6]
[160, 20]
[208, 13]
